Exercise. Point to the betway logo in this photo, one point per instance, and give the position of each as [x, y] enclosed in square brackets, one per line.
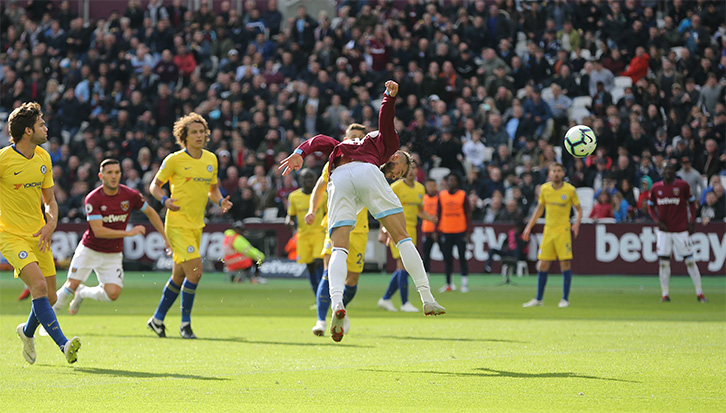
[28, 185]
[668, 201]
[114, 218]
[631, 247]
[282, 267]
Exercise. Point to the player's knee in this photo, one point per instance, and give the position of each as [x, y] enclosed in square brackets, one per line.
[113, 293]
[690, 261]
[664, 262]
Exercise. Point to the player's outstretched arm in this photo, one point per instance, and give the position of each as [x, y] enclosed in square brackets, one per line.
[51, 216]
[318, 143]
[385, 118]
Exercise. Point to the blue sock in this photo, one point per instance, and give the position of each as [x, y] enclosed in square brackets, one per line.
[44, 313]
[188, 291]
[32, 324]
[541, 282]
[349, 293]
[168, 296]
[566, 282]
[403, 285]
[323, 297]
[392, 286]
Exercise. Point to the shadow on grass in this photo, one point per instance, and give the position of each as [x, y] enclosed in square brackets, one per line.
[487, 340]
[142, 374]
[232, 340]
[485, 372]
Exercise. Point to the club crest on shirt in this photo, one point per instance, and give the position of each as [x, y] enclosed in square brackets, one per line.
[23, 255]
[676, 191]
[564, 197]
[104, 207]
[190, 249]
[74, 270]
[209, 168]
[125, 205]
[43, 169]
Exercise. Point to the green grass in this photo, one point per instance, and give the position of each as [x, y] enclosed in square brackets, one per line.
[617, 348]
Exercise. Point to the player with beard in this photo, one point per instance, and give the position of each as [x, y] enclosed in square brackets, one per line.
[358, 180]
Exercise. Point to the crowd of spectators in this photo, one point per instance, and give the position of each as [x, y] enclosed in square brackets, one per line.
[471, 75]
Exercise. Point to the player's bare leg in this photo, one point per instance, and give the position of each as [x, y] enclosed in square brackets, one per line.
[396, 226]
[337, 271]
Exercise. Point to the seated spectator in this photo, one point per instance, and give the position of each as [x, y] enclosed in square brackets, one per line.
[642, 204]
[712, 210]
[620, 207]
[603, 208]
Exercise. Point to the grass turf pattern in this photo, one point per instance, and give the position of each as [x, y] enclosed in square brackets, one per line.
[617, 348]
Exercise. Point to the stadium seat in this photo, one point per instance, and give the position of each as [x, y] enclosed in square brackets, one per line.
[581, 101]
[558, 153]
[617, 93]
[269, 214]
[437, 174]
[678, 50]
[723, 180]
[578, 113]
[584, 53]
[521, 93]
[606, 221]
[636, 193]
[587, 199]
[623, 81]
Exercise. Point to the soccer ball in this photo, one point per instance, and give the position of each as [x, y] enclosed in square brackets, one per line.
[580, 141]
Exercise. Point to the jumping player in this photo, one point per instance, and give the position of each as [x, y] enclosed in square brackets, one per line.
[359, 168]
[26, 180]
[673, 207]
[108, 209]
[556, 199]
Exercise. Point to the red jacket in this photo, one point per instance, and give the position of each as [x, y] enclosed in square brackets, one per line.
[186, 64]
[638, 68]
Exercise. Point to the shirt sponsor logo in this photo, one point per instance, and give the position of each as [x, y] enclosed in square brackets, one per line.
[205, 180]
[28, 185]
[668, 201]
[114, 218]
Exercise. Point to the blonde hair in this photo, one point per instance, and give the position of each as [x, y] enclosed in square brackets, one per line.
[181, 127]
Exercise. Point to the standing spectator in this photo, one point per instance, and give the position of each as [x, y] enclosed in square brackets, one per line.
[454, 217]
[691, 176]
[714, 159]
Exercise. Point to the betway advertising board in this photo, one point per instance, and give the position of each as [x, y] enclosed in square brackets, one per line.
[627, 249]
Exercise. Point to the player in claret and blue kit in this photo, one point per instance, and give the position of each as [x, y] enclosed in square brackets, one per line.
[108, 209]
[673, 207]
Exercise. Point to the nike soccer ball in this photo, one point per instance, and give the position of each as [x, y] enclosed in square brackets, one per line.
[580, 141]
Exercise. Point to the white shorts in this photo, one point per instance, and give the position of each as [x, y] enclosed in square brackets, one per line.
[108, 266]
[678, 242]
[354, 186]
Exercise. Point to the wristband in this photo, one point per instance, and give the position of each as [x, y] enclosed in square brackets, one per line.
[298, 151]
[386, 93]
[163, 199]
[220, 202]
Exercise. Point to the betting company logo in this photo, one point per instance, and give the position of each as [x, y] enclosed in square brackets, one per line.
[28, 185]
[114, 218]
[668, 201]
[198, 179]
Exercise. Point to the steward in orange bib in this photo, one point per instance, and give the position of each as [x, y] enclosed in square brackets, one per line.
[428, 228]
[240, 255]
[454, 226]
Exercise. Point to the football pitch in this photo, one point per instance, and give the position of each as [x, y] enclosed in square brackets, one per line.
[616, 348]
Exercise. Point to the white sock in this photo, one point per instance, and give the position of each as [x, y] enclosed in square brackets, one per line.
[337, 272]
[664, 273]
[65, 295]
[695, 274]
[464, 281]
[414, 266]
[95, 293]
